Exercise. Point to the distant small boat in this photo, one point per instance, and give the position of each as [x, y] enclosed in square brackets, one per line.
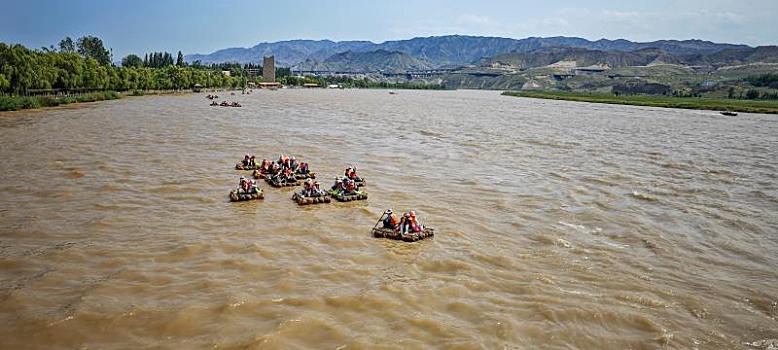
[729, 114]
[392, 93]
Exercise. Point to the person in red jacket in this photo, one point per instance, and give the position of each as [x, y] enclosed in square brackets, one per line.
[414, 225]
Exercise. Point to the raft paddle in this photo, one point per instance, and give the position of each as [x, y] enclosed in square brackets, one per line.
[379, 219]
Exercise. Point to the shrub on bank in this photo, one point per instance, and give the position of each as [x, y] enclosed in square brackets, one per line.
[749, 106]
[15, 103]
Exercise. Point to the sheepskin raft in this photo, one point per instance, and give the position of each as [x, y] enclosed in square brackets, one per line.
[302, 200]
[380, 232]
[239, 197]
[258, 175]
[358, 196]
[284, 184]
[362, 183]
[305, 176]
[240, 166]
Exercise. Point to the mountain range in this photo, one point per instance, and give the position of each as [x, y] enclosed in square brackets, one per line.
[365, 62]
[643, 57]
[458, 50]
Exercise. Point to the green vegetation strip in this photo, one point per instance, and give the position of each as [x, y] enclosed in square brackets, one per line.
[13, 103]
[715, 104]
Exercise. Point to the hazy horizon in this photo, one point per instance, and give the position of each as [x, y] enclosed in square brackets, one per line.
[204, 27]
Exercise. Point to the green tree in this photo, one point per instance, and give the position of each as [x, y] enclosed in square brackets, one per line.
[16, 64]
[22, 69]
[132, 60]
[66, 45]
[768, 80]
[4, 83]
[180, 59]
[92, 47]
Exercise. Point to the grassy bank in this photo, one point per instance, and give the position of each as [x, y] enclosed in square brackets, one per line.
[715, 104]
[14, 103]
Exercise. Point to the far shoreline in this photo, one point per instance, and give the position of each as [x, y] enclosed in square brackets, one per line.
[29, 103]
[711, 104]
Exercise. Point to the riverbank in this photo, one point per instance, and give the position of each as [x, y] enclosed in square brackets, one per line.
[15, 103]
[714, 104]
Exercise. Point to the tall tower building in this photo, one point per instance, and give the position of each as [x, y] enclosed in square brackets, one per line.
[268, 69]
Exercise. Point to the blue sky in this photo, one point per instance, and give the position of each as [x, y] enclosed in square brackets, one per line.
[204, 26]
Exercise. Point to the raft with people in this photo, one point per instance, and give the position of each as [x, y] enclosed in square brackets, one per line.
[404, 228]
[311, 194]
[351, 173]
[247, 190]
[348, 197]
[249, 162]
[346, 190]
[236, 196]
[303, 200]
[281, 173]
[227, 104]
[289, 165]
[264, 169]
[246, 167]
[282, 178]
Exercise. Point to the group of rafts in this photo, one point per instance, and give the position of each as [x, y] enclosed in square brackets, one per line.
[223, 104]
[287, 172]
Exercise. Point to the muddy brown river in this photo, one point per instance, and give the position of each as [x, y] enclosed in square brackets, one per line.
[559, 225]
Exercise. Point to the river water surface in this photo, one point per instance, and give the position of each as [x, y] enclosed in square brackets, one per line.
[559, 225]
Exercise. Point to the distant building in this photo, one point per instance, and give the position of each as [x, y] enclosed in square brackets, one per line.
[226, 73]
[269, 74]
[270, 86]
[269, 69]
